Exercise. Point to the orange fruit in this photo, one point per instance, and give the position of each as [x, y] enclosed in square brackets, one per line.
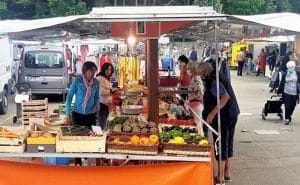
[135, 139]
[144, 141]
[153, 139]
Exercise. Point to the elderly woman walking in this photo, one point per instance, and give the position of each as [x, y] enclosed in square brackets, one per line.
[289, 87]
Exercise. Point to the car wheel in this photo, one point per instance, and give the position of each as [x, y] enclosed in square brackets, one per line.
[4, 103]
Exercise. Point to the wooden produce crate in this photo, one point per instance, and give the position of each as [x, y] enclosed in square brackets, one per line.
[34, 109]
[130, 148]
[12, 148]
[162, 125]
[189, 149]
[13, 145]
[40, 140]
[83, 144]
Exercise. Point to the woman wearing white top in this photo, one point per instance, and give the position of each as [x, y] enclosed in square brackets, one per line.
[290, 88]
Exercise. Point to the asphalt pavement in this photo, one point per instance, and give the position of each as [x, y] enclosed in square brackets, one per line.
[263, 159]
[7, 119]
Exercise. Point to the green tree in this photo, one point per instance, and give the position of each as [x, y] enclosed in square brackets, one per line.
[270, 6]
[295, 6]
[3, 9]
[2, 5]
[242, 7]
[215, 3]
[283, 5]
[66, 7]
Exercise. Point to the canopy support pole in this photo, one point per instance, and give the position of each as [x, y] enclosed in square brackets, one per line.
[218, 100]
[152, 79]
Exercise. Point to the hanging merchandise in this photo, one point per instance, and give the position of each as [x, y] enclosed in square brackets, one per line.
[84, 50]
[105, 58]
[129, 69]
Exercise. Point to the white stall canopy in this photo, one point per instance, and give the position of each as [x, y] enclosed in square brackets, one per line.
[287, 21]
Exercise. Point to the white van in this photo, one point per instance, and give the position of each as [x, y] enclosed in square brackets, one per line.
[6, 56]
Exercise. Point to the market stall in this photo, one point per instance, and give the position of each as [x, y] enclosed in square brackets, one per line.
[170, 141]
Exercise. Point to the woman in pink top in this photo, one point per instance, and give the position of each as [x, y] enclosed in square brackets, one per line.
[261, 62]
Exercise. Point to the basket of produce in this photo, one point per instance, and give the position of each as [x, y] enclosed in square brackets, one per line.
[183, 140]
[175, 130]
[189, 122]
[132, 109]
[79, 139]
[180, 146]
[12, 140]
[133, 89]
[142, 145]
[132, 125]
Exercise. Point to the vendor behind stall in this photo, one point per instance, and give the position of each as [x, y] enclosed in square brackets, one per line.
[185, 78]
[86, 90]
[106, 91]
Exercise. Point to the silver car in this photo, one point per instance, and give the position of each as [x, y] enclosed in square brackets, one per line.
[45, 69]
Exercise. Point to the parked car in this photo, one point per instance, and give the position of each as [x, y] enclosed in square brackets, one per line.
[45, 69]
[5, 72]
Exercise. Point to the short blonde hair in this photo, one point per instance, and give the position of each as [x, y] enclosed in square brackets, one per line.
[205, 68]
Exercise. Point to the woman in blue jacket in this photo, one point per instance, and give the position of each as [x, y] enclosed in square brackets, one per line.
[86, 90]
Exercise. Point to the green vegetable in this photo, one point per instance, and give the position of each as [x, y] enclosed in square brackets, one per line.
[162, 135]
[197, 137]
[117, 120]
[186, 136]
[176, 133]
[168, 135]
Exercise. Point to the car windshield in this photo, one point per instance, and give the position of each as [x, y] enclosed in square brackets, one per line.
[44, 59]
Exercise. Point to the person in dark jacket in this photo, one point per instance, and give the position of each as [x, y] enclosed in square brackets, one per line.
[284, 61]
[229, 114]
[289, 88]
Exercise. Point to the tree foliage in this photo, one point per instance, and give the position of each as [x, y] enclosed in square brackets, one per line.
[28, 9]
[251, 7]
[66, 7]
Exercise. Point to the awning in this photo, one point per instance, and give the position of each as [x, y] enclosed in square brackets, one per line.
[13, 26]
[154, 13]
[98, 19]
[286, 21]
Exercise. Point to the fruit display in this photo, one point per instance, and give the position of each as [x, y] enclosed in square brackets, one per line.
[189, 122]
[194, 146]
[135, 88]
[143, 144]
[184, 115]
[136, 140]
[171, 132]
[180, 141]
[134, 125]
[132, 101]
[169, 99]
[119, 120]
